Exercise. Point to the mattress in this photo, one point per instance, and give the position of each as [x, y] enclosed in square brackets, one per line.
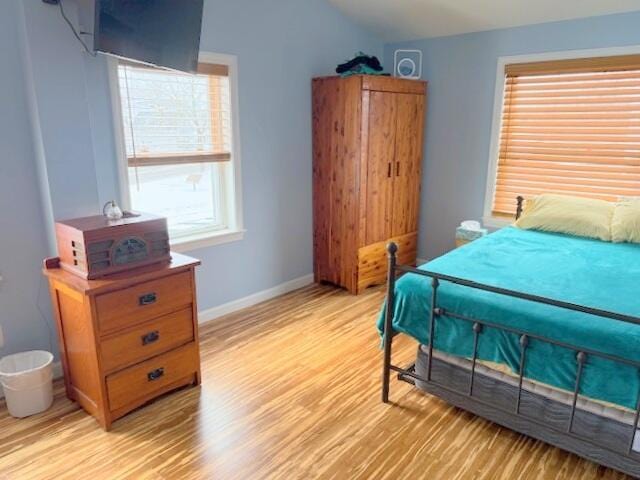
[575, 270]
[495, 371]
[611, 420]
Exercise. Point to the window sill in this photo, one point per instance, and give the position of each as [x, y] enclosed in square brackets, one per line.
[194, 242]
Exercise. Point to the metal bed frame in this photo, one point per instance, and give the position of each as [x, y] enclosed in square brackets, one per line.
[516, 408]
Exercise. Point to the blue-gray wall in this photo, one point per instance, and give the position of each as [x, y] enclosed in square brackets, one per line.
[56, 137]
[24, 303]
[57, 157]
[461, 71]
[280, 47]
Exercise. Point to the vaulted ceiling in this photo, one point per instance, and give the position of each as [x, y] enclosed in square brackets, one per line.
[396, 20]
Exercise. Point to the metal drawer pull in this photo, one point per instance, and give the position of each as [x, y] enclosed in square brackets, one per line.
[155, 374]
[150, 337]
[147, 299]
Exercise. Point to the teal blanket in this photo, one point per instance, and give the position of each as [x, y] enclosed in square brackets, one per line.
[577, 270]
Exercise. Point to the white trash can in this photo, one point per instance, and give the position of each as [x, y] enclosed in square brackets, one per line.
[27, 381]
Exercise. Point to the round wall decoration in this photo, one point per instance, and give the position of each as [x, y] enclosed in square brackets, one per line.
[407, 64]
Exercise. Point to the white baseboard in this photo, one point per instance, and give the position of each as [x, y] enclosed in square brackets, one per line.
[253, 299]
[57, 373]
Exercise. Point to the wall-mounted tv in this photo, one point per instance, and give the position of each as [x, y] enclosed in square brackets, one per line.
[160, 32]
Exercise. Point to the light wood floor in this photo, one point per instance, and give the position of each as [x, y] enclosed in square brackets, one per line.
[290, 390]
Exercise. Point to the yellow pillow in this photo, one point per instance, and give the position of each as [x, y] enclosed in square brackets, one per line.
[584, 217]
[625, 225]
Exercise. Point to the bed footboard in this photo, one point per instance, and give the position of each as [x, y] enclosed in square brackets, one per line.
[564, 429]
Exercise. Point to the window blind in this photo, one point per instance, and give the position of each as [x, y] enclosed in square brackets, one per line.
[175, 118]
[569, 127]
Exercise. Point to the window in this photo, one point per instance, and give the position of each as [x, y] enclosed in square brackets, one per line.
[178, 142]
[569, 127]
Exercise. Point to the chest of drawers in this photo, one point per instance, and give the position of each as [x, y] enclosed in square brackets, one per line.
[127, 338]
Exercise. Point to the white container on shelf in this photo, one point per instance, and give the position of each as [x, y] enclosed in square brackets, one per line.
[27, 381]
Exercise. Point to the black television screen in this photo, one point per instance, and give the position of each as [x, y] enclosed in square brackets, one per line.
[161, 32]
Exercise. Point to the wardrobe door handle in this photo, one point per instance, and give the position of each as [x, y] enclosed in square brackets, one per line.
[397, 169]
[389, 170]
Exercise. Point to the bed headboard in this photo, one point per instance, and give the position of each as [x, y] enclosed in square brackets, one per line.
[520, 200]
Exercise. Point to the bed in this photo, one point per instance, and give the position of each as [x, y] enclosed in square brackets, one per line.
[536, 331]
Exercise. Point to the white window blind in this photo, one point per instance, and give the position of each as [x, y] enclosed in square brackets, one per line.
[177, 134]
[569, 127]
[173, 118]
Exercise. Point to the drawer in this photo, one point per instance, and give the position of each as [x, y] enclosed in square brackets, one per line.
[147, 340]
[139, 382]
[144, 301]
[373, 260]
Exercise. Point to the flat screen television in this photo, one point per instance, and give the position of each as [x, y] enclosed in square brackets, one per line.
[165, 33]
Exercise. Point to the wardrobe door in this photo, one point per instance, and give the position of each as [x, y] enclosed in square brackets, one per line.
[407, 160]
[381, 139]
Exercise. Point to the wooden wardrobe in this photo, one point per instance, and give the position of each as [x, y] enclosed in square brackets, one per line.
[367, 154]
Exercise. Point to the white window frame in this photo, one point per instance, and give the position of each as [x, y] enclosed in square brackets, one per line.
[233, 184]
[496, 125]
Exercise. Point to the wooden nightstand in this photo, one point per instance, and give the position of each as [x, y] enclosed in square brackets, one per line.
[127, 338]
[464, 236]
[460, 242]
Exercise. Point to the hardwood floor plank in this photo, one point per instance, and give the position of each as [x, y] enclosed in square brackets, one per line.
[290, 389]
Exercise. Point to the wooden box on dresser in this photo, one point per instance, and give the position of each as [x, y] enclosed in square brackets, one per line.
[126, 338]
[367, 154]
